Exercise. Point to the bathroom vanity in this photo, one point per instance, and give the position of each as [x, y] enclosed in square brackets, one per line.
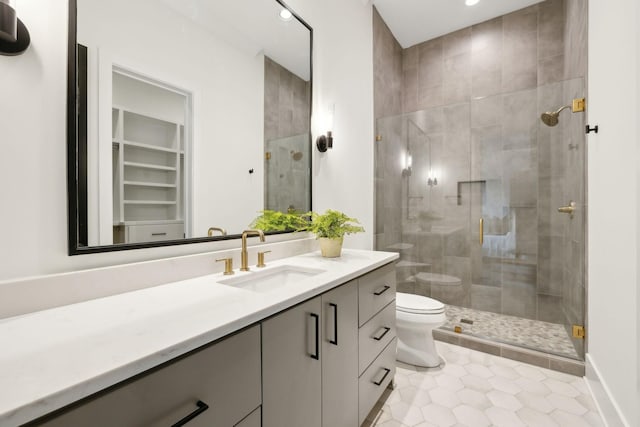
[314, 348]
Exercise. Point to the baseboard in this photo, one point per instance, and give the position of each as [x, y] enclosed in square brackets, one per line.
[609, 409]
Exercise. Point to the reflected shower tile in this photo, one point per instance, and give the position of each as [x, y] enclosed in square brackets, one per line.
[486, 298]
[551, 261]
[486, 153]
[431, 121]
[519, 299]
[456, 118]
[487, 35]
[526, 230]
[550, 309]
[576, 39]
[524, 190]
[486, 111]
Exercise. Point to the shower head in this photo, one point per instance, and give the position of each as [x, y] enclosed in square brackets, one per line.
[550, 118]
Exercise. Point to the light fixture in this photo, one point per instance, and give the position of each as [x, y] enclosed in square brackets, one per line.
[324, 142]
[432, 179]
[471, 2]
[14, 36]
[408, 163]
[285, 15]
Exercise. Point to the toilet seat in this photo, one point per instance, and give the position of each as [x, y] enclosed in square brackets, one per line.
[418, 304]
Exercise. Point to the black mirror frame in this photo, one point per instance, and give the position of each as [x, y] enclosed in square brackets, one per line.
[77, 156]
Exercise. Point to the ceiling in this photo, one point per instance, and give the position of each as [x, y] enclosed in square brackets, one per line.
[415, 21]
[253, 27]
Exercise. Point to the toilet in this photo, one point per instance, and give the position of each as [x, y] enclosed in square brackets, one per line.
[416, 317]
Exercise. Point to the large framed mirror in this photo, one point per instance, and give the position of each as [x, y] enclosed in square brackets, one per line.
[186, 118]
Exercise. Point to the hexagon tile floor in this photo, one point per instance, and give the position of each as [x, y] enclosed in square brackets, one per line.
[476, 389]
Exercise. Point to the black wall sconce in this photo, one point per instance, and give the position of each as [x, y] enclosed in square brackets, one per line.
[324, 142]
[14, 36]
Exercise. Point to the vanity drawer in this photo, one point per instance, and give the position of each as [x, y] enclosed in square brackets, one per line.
[153, 232]
[376, 334]
[375, 291]
[375, 379]
[225, 376]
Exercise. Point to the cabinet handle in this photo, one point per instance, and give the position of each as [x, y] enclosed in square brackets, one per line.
[334, 341]
[384, 289]
[159, 234]
[378, 383]
[201, 408]
[386, 330]
[316, 354]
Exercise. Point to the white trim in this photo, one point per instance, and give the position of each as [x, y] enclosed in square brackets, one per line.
[607, 405]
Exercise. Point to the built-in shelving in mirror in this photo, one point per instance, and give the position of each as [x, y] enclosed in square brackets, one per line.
[185, 120]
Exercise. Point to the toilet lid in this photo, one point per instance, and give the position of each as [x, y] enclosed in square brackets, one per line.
[418, 304]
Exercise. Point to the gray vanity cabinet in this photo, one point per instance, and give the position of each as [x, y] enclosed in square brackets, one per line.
[225, 376]
[339, 356]
[291, 366]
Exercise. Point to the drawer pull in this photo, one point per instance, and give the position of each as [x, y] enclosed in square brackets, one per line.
[384, 289]
[159, 234]
[316, 354]
[334, 341]
[386, 330]
[378, 383]
[201, 408]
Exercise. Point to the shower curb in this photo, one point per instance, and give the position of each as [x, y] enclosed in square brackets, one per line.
[537, 358]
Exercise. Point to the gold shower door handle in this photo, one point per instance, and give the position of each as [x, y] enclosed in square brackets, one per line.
[568, 209]
[481, 231]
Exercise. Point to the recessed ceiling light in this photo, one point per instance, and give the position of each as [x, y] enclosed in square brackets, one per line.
[286, 15]
[471, 2]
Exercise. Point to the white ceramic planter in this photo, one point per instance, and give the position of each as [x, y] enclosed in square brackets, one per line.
[330, 248]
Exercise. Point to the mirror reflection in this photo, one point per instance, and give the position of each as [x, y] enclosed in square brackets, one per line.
[197, 118]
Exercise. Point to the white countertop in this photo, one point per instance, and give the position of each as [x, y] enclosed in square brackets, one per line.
[51, 358]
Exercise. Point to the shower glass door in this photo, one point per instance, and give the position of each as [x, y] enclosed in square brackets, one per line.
[468, 195]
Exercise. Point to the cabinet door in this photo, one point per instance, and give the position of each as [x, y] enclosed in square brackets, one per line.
[219, 385]
[340, 356]
[291, 380]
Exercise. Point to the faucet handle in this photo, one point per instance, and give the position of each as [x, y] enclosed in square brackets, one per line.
[261, 263]
[228, 265]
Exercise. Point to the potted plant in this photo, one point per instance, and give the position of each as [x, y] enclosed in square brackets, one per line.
[279, 221]
[330, 228]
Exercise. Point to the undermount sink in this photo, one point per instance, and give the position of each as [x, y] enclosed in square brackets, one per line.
[272, 278]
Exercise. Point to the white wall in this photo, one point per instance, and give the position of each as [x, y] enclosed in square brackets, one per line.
[613, 203]
[33, 137]
[343, 76]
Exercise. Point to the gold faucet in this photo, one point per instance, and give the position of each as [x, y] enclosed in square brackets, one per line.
[244, 256]
[212, 229]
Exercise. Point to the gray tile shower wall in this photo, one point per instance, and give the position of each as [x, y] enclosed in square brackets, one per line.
[471, 103]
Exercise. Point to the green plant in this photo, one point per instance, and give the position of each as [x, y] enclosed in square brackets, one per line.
[279, 221]
[333, 224]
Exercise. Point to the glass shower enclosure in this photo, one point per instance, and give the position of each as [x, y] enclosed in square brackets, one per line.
[468, 195]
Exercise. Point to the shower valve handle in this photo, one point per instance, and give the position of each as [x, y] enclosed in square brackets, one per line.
[568, 209]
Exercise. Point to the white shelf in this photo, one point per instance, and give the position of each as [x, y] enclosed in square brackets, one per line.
[147, 114]
[149, 166]
[148, 146]
[149, 202]
[149, 184]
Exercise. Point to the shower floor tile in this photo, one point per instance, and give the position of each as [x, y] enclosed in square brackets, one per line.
[532, 334]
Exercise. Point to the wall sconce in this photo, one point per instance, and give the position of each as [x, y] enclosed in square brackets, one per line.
[408, 162]
[324, 142]
[14, 36]
[432, 180]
